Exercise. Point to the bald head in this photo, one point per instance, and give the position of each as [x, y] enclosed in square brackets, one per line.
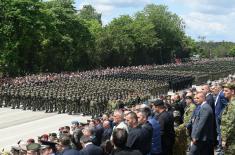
[106, 124]
[200, 98]
[118, 116]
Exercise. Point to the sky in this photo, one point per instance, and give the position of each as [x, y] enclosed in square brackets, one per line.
[212, 19]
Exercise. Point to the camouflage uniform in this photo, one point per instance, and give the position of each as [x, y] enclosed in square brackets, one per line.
[228, 128]
[188, 113]
[180, 145]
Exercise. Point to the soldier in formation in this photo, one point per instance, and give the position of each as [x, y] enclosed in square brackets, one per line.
[98, 91]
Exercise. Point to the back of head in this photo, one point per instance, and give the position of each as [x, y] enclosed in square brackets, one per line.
[147, 111]
[65, 141]
[119, 138]
[85, 139]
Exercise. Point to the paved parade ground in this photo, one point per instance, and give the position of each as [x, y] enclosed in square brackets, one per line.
[18, 125]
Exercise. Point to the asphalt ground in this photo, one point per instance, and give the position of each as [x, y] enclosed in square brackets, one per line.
[18, 125]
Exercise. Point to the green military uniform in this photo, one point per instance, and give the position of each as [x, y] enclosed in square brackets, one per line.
[187, 116]
[188, 112]
[228, 128]
[180, 145]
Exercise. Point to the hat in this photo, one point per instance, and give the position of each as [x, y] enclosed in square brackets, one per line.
[33, 147]
[75, 123]
[53, 134]
[31, 140]
[158, 102]
[45, 136]
[229, 85]
[189, 97]
[48, 144]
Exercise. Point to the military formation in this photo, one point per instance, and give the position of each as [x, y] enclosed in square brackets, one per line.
[98, 91]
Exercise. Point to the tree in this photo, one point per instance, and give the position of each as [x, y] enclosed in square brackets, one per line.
[20, 32]
[232, 52]
[89, 13]
[169, 29]
[115, 45]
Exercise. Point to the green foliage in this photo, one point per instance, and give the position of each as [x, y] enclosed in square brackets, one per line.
[51, 36]
[42, 36]
[232, 52]
[89, 13]
[214, 49]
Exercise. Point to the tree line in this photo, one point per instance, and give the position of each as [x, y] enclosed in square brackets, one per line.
[52, 36]
[215, 49]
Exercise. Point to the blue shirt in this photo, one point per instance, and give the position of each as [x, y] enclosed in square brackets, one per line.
[156, 138]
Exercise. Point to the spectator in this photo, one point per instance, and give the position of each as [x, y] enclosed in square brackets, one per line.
[211, 101]
[65, 142]
[202, 131]
[48, 148]
[107, 131]
[30, 141]
[76, 133]
[156, 148]
[88, 147]
[166, 121]
[107, 147]
[118, 119]
[220, 104]
[135, 139]
[146, 129]
[33, 149]
[44, 137]
[98, 131]
[119, 140]
[52, 137]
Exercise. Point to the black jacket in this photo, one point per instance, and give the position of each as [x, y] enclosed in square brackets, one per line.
[210, 100]
[69, 151]
[91, 149]
[106, 134]
[166, 121]
[126, 151]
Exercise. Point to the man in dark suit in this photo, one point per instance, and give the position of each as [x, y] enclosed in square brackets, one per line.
[65, 143]
[166, 121]
[210, 100]
[202, 131]
[107, 131]
[88, 147]
[135, 137]
[119, 140]
[220, 104]
[98, 131]
[147, 130]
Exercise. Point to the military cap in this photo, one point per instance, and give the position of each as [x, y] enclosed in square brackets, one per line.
[53, 134]
[229, 85]
[47, 144]
[75, 123]
[189, 97]
[33, 147]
